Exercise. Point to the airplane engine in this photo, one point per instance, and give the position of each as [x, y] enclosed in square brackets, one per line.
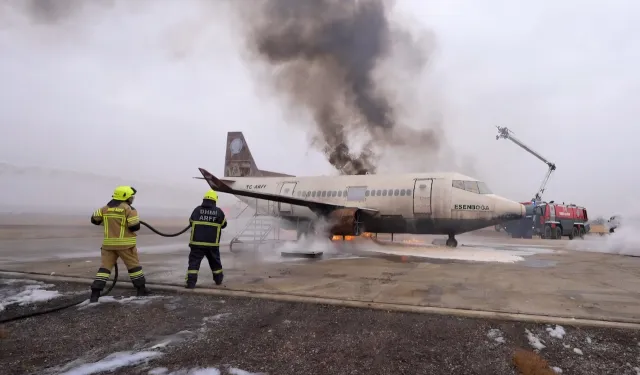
[345, 222]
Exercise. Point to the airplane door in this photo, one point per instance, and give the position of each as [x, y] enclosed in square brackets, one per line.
[287, 188]
[422, 196]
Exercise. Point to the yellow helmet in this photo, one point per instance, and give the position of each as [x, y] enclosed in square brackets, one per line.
[212, 195]
[122, 193]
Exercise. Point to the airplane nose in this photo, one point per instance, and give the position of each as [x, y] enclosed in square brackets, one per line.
[506, 209]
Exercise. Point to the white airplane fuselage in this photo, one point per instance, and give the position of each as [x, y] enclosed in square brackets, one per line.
[420, 203]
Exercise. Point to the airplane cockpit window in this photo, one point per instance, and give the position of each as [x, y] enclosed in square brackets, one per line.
[483, 188]
[477, 187]
[471, 186]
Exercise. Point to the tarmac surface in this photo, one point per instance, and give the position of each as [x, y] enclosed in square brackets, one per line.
[536, 277]
[488, 275]
[179, 332]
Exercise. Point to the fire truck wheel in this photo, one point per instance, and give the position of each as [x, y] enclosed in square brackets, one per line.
[547, 232]
[574, 233]
[582, 232]
[557, 233]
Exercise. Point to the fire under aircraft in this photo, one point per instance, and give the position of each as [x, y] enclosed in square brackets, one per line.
[415, 203]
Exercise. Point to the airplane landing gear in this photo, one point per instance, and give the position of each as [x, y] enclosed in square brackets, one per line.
[451, 241]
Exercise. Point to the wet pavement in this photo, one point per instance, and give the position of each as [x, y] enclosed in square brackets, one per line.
[511, 276]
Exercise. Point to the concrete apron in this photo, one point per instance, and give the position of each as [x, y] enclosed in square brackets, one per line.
[123, 283]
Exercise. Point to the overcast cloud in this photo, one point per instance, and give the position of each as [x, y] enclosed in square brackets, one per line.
[148, 90]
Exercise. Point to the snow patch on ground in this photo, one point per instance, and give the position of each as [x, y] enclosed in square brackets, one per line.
[212, 319]
[23, 292]
[557, 332]
[122, 300]
[172, 339]
[557, 370]
[588, 340]
[237, 371]
[496, 335]
[577, 351]
[534, 341]
[113, 362]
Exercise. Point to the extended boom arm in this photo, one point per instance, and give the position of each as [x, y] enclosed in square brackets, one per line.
[504, 132]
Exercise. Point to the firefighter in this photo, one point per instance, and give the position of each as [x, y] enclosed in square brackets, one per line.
[120, 221]
[207, 222]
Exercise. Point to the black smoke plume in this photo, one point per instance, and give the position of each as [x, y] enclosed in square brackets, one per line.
[324, 56]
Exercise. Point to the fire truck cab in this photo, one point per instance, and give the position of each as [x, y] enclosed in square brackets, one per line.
[552, 221]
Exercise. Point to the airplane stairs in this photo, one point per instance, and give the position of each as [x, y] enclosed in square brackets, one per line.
[260, 230]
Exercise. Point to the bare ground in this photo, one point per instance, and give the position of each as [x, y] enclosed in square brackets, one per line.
[292, 338]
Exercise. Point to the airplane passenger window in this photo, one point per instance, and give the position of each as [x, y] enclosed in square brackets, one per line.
[340, 193]
[458, 184]
[356, 193]
[334, 193]
[344, 193]
[384, 193]
[408, 192]
[396, 192]
[390, 192]
[324, 193]
[366, 193]
[402, 192]
[483, 188]
[471, 186]
[379, 192]
[313, 194]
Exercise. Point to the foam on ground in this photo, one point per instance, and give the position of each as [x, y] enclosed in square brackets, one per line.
[123, 300]
[474, 255]
[24, 292]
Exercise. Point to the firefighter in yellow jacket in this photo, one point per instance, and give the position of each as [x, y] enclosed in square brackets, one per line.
[120, 221]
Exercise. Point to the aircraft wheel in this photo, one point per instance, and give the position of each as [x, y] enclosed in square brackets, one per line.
[452, 242]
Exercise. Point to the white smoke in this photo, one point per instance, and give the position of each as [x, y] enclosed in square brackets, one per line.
[624, 241]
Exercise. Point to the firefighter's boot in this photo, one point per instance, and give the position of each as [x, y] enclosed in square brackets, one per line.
[95, 294]
[218, 277]
[143, 291]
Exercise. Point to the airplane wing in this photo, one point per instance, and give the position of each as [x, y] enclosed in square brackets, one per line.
[221, 186]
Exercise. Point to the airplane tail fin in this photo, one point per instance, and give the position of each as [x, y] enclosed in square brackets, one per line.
[238, 161]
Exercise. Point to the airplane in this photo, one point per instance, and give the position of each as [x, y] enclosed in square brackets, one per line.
[446, 203]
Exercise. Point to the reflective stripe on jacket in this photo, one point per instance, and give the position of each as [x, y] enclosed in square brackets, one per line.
[118, 222]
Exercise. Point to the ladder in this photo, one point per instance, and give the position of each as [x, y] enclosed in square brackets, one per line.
[262, 227]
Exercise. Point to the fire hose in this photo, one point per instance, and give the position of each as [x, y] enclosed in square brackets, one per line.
[109, 289]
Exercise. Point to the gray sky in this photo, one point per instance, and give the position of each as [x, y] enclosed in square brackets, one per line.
[164, 81]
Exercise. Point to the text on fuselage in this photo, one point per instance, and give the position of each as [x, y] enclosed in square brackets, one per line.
[250, 187]
[471, 207]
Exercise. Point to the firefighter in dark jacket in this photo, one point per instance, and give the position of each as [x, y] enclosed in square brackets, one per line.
[120, 221]
[207, 222]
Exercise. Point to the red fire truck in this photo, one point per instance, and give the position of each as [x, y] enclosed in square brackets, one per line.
[552, 220]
